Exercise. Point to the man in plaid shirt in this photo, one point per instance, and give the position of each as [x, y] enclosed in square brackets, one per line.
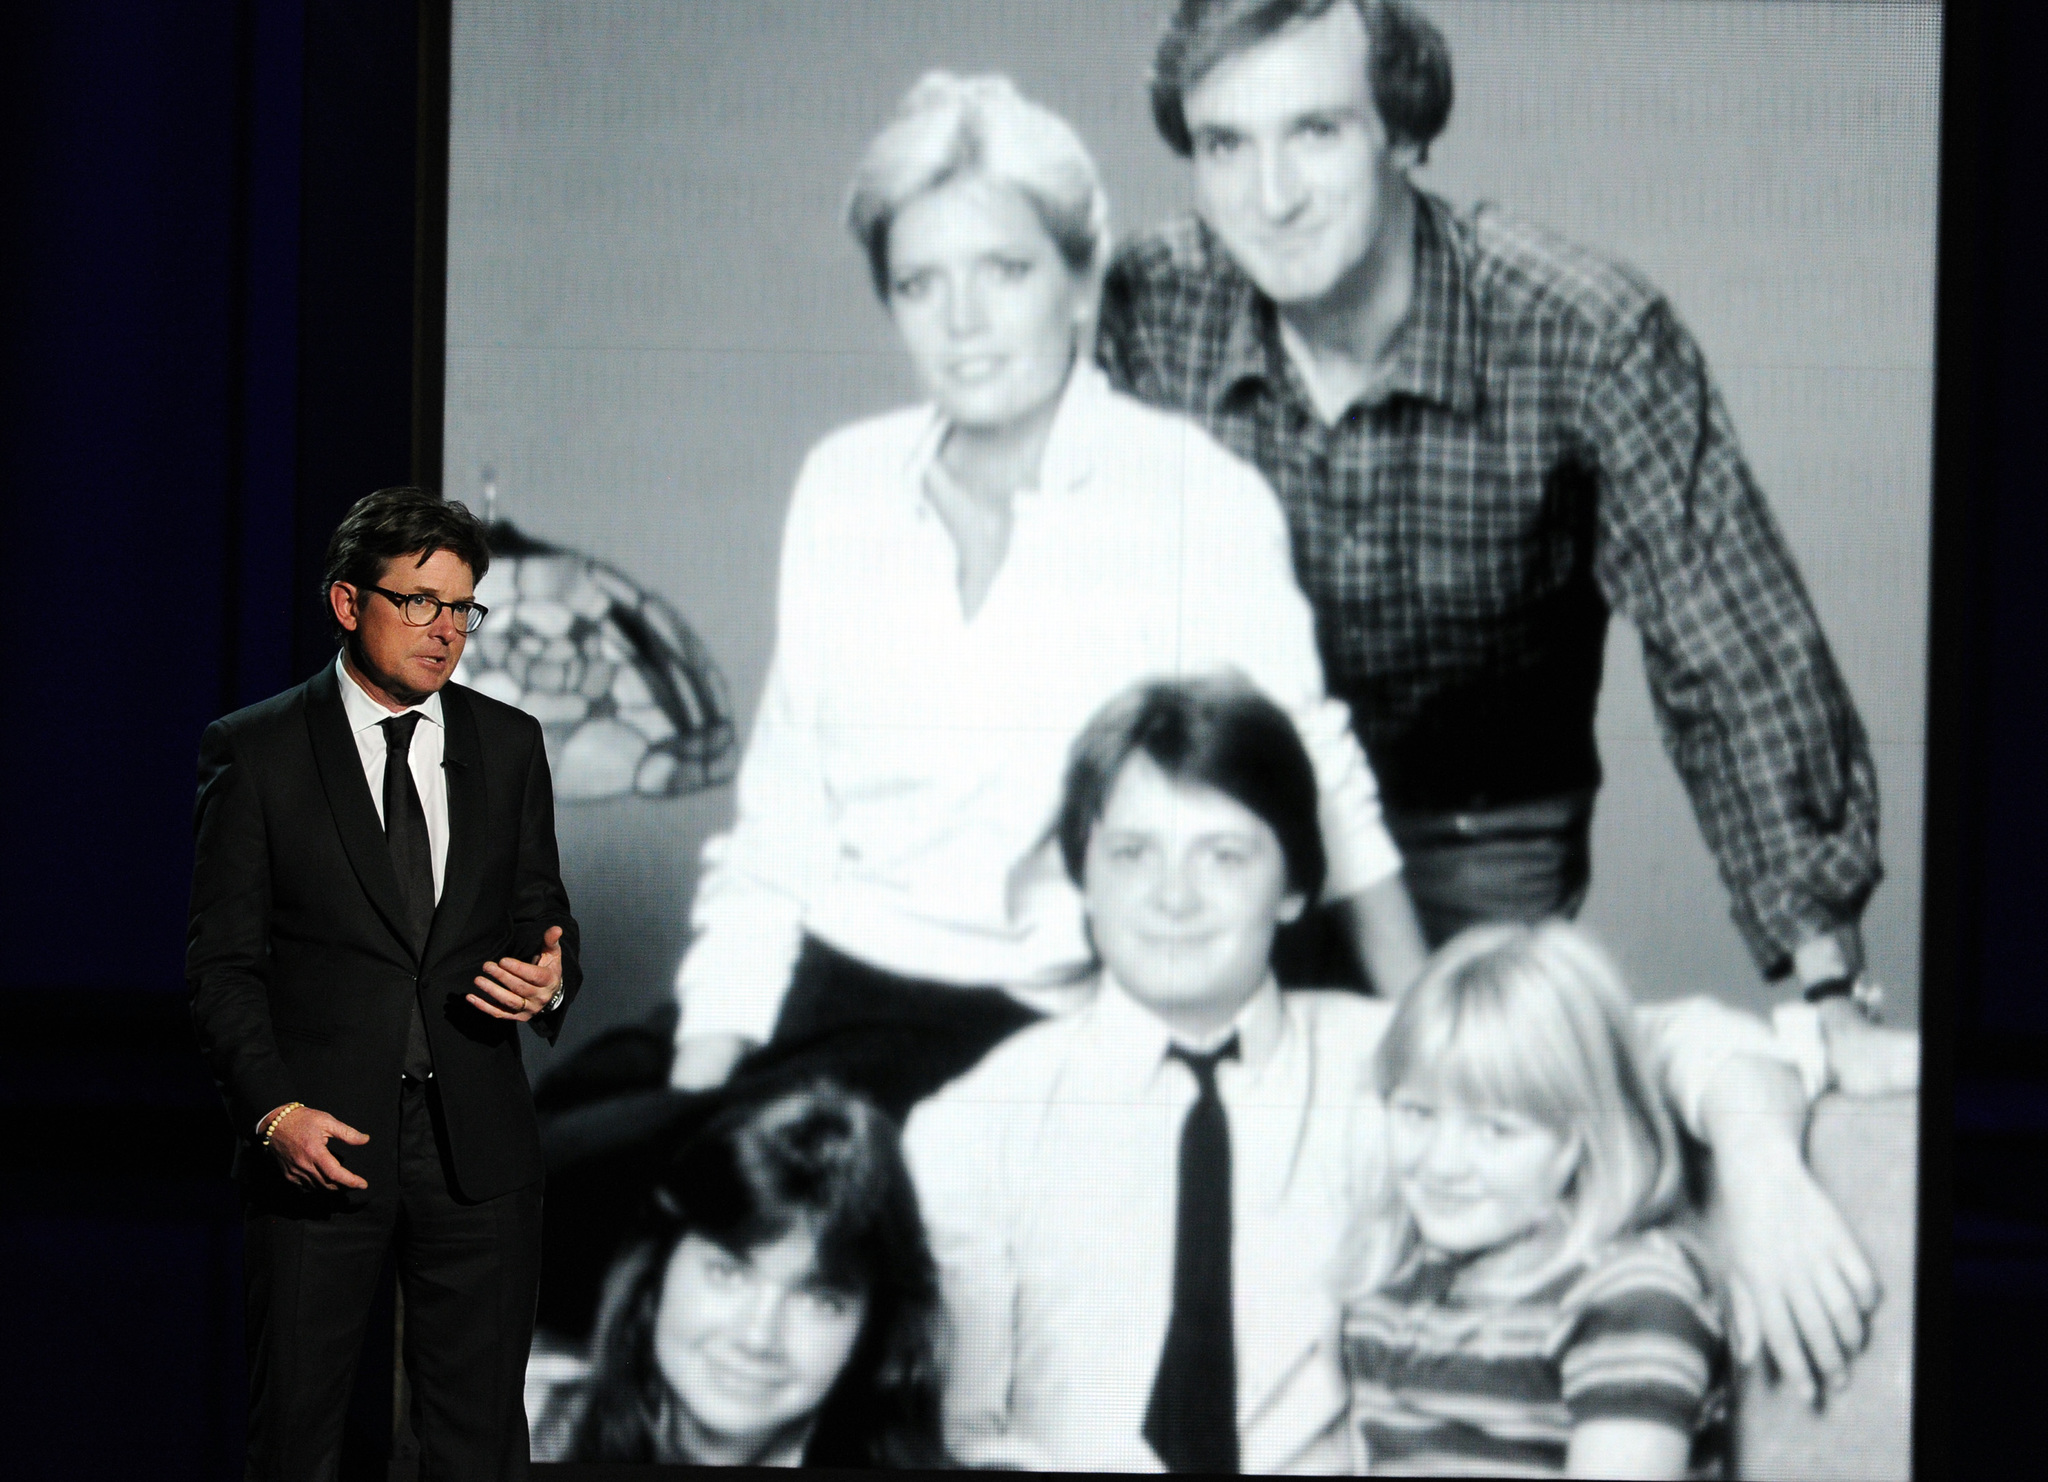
[1486, 440]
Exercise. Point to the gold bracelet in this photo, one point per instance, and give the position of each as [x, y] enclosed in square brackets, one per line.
[270, 1129]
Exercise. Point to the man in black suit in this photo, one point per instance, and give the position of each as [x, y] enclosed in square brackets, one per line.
[377, 907]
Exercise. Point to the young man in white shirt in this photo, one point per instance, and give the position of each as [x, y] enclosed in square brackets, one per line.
[1137, 1207]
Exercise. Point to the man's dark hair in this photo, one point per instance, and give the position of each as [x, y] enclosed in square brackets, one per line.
[1219, 733]
[1408, 63]
[400, 521]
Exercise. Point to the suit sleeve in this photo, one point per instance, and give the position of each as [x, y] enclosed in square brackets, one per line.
[539, 899]
[227, 940]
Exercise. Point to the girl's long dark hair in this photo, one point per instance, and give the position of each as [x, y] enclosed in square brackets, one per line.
[813, 1158]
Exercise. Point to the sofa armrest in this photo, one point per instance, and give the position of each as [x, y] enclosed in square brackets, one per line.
[1865, 1152]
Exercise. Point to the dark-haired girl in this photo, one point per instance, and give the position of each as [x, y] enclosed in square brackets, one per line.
[778, 1310]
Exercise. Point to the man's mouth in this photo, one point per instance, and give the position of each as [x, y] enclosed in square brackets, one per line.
[972, 370]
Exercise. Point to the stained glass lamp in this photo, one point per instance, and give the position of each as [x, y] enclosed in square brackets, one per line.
[627, 696]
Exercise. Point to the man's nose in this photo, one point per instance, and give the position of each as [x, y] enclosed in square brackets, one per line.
[1279, 184]
[966, 312]
[1174, 888]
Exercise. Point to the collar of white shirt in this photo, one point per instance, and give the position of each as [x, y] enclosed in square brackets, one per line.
[1138, 1039]
[1070, 447]
[364, 712]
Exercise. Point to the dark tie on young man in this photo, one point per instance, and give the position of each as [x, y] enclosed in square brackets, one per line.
[412, 859]
[1191, 1420]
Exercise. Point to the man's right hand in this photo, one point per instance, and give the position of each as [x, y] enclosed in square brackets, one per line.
[299, 1143]
[704, 1061]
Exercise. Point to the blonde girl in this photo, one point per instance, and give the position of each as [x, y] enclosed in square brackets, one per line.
[1524, 1312]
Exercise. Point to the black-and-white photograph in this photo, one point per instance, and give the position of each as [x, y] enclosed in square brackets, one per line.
[1237, 696]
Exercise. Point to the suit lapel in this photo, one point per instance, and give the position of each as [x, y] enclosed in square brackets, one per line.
[463, 767]
[348, 798]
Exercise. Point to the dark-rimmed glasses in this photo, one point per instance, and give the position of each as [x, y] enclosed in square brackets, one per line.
[418, 609]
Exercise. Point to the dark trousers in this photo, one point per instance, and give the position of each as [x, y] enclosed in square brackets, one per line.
[893, 1039]
[468, 1271]
[1525, 862]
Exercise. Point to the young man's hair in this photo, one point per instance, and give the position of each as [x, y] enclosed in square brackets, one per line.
[1218, 733]
[394, 522]
[1408, 64]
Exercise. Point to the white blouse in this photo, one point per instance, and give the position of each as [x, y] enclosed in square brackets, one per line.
[906, 763]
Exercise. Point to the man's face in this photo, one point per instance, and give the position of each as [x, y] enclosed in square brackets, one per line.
[1292, 167]
[1184, 887]
[396, 662]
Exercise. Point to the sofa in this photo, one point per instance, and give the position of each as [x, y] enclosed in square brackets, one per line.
[1865, 1151]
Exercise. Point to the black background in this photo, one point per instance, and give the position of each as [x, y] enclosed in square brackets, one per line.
[223, 308]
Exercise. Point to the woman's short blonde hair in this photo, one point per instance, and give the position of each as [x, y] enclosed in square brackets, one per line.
[949, 128]
[1535, 1020]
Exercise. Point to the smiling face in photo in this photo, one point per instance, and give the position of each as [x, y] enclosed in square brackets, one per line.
[1291, 164]
[751, 1344]
[1474, 1177]
[987, 307]
[1184, 887]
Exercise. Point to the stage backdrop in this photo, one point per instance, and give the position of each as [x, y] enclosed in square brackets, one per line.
[653, 311]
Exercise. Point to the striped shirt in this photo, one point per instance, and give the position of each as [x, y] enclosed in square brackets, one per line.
[1549, 447]
[1442, 1386]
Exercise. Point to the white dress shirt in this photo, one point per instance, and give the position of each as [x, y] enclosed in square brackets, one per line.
[1048, 1180]
[429, 745]
[907, 760]
[366, 718]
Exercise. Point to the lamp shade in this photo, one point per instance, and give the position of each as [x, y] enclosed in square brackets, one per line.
[627, 696]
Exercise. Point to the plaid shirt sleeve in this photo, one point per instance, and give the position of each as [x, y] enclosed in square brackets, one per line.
[1752, 709]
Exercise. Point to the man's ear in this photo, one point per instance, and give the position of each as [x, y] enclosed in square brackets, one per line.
[342, 598]
[1290, 908]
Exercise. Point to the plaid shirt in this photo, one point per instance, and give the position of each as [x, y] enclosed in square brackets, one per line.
[1548, 447]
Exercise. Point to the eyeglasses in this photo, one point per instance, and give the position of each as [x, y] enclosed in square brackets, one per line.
[419, 610]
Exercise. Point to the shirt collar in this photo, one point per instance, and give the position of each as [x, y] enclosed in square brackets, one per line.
[1138, 1039]
[1436, 355]
[1070, 447]
[1438, 352]
[364, 712]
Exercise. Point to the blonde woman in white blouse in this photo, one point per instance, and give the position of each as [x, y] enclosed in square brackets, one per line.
[963, 583]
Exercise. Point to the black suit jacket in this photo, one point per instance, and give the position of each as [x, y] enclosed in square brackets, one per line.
[299, 959]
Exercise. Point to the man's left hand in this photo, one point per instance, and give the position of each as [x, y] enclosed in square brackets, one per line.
[1800, 1285]
[518, 990]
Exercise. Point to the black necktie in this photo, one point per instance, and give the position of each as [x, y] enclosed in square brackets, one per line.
[412, 859]
[1192, 1418]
